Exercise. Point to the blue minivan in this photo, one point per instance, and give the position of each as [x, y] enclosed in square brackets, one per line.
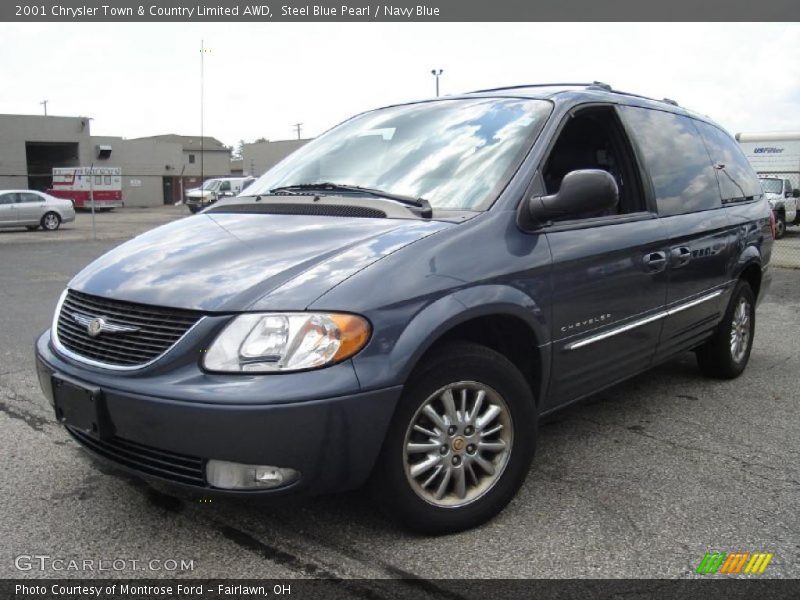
[399, 301]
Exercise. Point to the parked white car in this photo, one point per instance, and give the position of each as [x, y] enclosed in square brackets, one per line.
[32, 209]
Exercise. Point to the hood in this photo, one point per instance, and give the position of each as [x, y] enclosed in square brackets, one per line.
[230, 262]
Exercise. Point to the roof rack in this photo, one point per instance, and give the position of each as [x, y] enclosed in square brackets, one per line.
[595, 85]
[538, 85]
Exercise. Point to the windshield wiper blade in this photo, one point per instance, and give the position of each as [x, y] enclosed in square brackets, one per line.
[327, 186]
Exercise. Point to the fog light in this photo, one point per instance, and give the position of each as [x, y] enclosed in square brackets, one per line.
[236, 476]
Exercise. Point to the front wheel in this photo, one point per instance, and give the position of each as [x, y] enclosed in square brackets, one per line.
[726, 354]
[51, 221]
[194, 208]
[460, 443]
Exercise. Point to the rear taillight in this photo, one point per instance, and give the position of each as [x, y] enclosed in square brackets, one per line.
[772, 223]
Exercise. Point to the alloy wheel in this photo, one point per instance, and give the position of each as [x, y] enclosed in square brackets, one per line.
[458, 444]
[740, 330]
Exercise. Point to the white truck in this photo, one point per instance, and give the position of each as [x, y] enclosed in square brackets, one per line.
[214, 189]
[775, 156]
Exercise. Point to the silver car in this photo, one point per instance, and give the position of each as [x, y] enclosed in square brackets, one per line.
[32, 209]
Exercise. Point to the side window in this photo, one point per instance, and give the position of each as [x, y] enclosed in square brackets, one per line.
[98, 180]
[594, 139]
[225, 186]
[28, 198]
[7, 198]
[787, 187]
[677, 160]
[737, 180]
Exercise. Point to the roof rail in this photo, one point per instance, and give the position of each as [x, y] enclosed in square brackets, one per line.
[534, 85]
[599, 85]
[595, 85]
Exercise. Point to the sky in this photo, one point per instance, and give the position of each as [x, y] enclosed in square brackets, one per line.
[138, 79]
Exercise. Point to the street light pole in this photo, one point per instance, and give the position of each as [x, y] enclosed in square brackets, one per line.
[437, 73]
[44, 103]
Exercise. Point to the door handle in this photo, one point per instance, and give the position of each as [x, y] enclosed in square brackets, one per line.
[680, 256]
[655, 261]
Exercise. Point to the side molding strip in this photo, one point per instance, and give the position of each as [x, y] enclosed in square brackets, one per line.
[640, 322]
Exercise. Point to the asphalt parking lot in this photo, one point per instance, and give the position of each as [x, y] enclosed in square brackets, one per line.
[638, 482]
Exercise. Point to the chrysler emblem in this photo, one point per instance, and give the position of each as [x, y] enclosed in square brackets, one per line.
[95, 326]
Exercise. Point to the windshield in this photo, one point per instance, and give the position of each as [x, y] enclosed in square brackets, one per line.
[211, 184]
[457, 154]
[772, 186]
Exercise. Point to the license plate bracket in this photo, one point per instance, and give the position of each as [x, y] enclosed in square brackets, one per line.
[81, 407]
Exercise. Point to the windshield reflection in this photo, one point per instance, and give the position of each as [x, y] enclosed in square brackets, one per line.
[457, 154]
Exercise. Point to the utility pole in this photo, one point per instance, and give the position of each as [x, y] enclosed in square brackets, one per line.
[437, 73]
[44, 103]
[297, 126]
[202, 133]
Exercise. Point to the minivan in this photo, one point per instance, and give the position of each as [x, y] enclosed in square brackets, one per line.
[399, 302]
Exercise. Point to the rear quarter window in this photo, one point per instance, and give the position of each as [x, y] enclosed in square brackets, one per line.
[737, 180]
[676, 160]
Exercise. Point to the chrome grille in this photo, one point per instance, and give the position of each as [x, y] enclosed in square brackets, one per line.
[133, 335]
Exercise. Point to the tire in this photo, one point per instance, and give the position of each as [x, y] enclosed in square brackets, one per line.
[780, 225]
[194, 209]
[725, 355]
[508, 450]
[50, 221]
[31, 227]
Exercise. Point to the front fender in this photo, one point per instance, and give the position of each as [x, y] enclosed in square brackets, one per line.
[390, 362]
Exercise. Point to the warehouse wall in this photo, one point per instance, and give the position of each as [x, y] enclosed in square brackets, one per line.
[259, 157]
[144, 165]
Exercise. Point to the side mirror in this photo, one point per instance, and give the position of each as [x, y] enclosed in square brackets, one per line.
[583, 191]
[796, 193]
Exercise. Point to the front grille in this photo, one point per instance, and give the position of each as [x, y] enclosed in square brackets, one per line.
[150, 461]
[157, 329]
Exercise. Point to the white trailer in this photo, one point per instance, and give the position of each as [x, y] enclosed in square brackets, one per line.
[775, 156]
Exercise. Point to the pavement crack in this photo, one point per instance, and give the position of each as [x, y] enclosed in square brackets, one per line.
[33, 421]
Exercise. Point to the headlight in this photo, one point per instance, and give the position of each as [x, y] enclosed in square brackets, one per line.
[270, 342]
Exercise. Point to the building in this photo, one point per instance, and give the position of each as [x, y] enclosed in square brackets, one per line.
[155, 169]
[30, 146]
[259, 157]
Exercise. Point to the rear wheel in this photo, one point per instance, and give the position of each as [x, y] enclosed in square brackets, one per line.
[780, 225]
[726, 354]
[51, 221]
[460, 443]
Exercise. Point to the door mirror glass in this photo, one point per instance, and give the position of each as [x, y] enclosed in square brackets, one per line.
[584, 193]
[796, 193]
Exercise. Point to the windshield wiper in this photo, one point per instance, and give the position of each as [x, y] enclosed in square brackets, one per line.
[327, 186]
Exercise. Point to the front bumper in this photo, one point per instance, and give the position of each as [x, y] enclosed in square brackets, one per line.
[333, 441]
